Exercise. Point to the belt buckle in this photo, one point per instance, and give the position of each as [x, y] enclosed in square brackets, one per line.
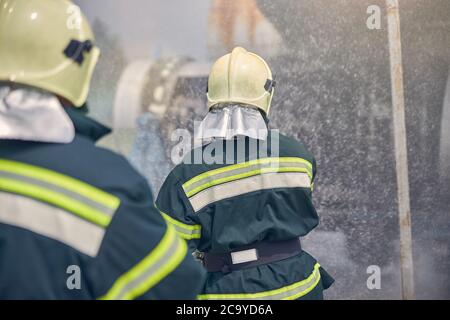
[198, 256]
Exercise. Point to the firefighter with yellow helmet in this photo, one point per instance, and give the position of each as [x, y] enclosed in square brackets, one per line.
[76, 221]
[243, 198]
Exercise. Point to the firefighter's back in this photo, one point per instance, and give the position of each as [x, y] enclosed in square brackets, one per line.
[259, 198]
[77, 220]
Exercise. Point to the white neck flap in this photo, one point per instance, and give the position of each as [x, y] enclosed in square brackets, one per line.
[33, 115]
[231, 121]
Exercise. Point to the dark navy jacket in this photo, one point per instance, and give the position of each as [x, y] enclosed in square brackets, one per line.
[76, 212]
[232, 194]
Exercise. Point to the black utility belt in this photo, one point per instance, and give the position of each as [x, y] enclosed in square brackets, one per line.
[250, 256]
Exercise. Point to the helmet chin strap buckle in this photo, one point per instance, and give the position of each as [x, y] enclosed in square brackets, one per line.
[269, 85]
[75, 50]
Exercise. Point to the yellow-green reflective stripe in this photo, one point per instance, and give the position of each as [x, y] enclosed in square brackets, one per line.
[245, 175]
[246, 164]
[238, 171]
[61, 181]
[48, 186]
[306, 291]
[188, 236]
[165, 258]
[55, 198]
[185, 231]
[180, 224]
[306, 285]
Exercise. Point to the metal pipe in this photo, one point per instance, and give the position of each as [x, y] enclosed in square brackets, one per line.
[401, 156]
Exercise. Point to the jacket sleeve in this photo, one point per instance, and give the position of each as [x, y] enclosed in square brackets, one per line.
[175, 208]
[142, 257]
[314, 173]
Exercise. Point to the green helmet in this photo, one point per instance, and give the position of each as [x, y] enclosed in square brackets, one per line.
[49, 45]
[241, 77]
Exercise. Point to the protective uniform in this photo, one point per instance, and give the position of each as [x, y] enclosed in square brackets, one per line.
[244, 212]
[76, 221]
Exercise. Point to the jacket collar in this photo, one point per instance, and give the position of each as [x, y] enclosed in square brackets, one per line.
[85, 125]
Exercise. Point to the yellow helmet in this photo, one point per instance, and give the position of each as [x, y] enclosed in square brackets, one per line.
[49, 45]
[241, 77]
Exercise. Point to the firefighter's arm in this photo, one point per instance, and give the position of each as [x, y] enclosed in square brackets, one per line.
[142, 257]
[314, 172]
[175, 208]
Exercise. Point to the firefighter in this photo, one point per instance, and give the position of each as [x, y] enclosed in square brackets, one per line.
[243, 199]
[76, 221]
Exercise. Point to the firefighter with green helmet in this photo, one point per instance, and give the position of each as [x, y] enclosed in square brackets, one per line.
[76, 221]
[243, 198]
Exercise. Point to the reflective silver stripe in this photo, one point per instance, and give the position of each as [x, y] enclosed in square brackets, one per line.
[187, 234]
[240, 170]
[291, 292]
[73, 195]
[246, 185]
[51, 222]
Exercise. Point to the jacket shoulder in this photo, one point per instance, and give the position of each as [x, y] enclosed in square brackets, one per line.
[290, 147]
[111, 171]
[84, 161]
